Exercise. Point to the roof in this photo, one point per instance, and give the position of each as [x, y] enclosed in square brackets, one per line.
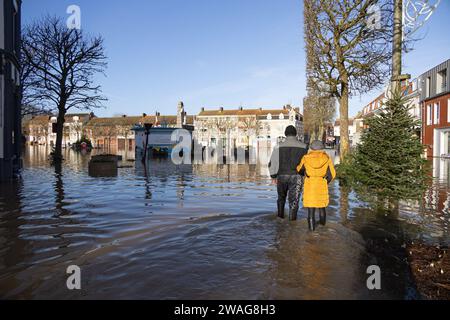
[245, 112]
[114, 121]
[133, 120]
[169, 120]
[38, 120]
[82, 116]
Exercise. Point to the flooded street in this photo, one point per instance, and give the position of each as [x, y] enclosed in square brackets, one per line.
[198, 232]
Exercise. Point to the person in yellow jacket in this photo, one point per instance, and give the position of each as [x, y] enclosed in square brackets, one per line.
[318, 169]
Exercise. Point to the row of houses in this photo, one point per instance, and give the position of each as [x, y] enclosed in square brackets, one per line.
[231, 128]
[429, 102]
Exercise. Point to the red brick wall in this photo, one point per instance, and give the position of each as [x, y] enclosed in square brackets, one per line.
[428, 130]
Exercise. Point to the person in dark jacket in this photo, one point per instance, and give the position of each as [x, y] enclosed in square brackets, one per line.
[283, 170]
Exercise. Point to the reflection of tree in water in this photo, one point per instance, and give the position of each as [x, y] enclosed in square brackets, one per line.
[14, 248]
[385, 239]
[180, 189]
[59, 192]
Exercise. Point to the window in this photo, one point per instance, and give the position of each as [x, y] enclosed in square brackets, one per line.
[429, 121]
[436, 113]
[441, 81]
[428, 87]
[448, 110]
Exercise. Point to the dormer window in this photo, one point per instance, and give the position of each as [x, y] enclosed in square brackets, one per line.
[269, 116]
[281, 116]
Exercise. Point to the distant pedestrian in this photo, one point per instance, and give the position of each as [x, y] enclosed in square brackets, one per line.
[318, 169]
[283, 170]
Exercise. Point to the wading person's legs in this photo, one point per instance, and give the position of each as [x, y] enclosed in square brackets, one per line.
[322, 216]
[295, 190]
[282, 189]
[312, 219]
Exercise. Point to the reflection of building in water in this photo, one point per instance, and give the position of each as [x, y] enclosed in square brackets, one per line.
[232, 172]
[159, 172]
[436, 201]
[245, 128]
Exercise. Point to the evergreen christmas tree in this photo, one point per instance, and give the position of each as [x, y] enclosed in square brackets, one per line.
[388, 165]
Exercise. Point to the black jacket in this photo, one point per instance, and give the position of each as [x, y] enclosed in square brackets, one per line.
[286, 157]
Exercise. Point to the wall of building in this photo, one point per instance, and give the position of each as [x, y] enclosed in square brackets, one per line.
[2, 85]
[433, 89]
[10, 115]
[434, 123]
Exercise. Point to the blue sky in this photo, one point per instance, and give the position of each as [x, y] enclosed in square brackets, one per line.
[212, 53]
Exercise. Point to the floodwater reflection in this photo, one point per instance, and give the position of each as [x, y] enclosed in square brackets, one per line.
[160, 231]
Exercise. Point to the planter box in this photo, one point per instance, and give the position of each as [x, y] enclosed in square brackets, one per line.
[103, 166]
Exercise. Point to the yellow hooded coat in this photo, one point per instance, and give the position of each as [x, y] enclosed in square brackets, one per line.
[317, 165]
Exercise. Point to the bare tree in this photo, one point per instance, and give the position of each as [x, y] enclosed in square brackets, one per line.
[61, 64]
[318, 110]
[349, 49]
[250, 126]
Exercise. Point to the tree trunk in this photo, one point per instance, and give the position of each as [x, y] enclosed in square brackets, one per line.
[321, 132]
[57, 156]
[397, 45]
[343, 110]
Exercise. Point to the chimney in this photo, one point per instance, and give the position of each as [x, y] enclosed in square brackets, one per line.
[221, 109]
[144, 115]
[124, 116]
[203, 109]
[241, 108]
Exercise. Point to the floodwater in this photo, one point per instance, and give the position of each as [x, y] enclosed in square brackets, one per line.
[198, 232]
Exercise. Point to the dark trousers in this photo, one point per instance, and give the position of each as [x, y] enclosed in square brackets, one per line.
[312, 217]
[289, 187]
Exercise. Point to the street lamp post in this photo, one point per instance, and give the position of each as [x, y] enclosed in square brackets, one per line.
[147, 128]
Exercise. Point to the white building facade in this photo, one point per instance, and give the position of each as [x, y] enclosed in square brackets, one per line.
[245, 128]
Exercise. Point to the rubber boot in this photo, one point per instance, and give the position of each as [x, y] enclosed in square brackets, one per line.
[311, 219]
[293, 214]
[322, 217]
[280, 211]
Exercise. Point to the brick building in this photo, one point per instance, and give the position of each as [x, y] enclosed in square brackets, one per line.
[116, 133]
[435, 103]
